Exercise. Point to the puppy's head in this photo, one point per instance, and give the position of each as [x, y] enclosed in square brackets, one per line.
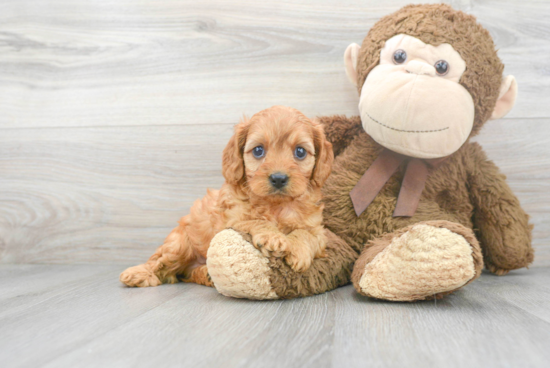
[278, 152]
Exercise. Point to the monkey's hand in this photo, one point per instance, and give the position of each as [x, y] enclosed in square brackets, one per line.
[503, 227]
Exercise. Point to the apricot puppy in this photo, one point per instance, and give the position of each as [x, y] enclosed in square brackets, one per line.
[274, 166]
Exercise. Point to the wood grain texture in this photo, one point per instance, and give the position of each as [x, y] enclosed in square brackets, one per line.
[127, 62]
[113, 114]
[101, 194]
[476, 327]
[111, 195]
[67, 316]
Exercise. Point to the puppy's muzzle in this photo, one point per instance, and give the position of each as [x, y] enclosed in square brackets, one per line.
[278, 180]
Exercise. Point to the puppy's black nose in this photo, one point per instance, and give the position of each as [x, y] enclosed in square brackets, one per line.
[278, 180]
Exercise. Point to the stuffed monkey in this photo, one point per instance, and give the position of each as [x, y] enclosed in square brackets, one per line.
[414, 207]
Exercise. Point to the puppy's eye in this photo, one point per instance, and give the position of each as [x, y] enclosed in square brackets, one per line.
[399, 56]
[258, 152]
[300, 153]
[441, 67]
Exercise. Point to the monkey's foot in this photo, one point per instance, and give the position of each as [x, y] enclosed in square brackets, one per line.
[237, 268]
[423, 261]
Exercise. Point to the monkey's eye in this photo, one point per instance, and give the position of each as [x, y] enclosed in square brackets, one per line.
[258, 151]
[300, 153]
[399, 56]
[441, 67]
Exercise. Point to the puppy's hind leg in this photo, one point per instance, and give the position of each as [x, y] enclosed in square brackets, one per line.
[200, 276]
[186, 245]
[170, 259]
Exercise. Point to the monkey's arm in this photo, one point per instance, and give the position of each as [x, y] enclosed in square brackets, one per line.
[340, 130]
[501, 225]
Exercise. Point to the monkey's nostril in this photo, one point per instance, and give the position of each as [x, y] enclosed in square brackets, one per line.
[278, 180]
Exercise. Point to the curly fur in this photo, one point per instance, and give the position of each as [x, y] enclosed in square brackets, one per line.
[284, 222]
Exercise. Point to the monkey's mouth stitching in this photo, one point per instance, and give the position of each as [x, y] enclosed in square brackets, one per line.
[406, 131]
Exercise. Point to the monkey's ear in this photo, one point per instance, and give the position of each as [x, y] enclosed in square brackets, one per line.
[506, 97]
[350, 60]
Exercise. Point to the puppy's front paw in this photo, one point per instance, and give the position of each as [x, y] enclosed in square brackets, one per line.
[271, 244]
[140, 276]
[299, 260]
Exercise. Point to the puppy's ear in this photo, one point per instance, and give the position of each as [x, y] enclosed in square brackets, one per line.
[323, 156]
[232, 160]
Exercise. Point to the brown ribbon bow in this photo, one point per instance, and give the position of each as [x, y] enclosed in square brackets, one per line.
[381, 170]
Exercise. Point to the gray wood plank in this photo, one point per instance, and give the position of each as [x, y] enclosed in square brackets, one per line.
[39, 325]
[31, 281]
[517, 289]
[96, 322]
[68, 322]
[111, 194]
[87, 190]
[204, 329]
[471, 328]
[114, 63]
[174, 62]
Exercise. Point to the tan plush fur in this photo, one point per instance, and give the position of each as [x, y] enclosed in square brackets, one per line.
[466, 189]
[325, 274]
[284, 222]
[239, 270]
[431, 255]
[414, 264]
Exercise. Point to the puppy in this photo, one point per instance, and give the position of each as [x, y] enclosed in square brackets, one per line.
[274, 166]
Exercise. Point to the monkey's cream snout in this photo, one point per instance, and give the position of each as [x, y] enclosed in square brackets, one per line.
[420, 68]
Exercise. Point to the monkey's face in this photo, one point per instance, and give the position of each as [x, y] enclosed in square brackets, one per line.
[412, 102]
[429, 78]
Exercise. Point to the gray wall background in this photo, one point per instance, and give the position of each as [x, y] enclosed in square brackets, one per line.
[113, 114]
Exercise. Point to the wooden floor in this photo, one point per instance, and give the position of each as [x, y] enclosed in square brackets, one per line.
[80, 316]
